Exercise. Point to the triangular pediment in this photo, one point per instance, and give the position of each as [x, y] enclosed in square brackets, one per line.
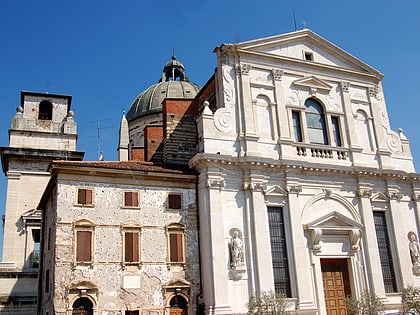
[131, 223]
[293, 47]
[379, 197]
[276, 191]
[83, 285]
[334, 220]
[177, 284]
[85, 222]
[313, 83]
[32, 213]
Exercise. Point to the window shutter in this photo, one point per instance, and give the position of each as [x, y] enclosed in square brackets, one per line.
[176, 248]
[84, 196]
[128, 198]
[174, 201]
[131, 247]
[81, 196]
[131, 199]
[84, 246]
[88, 197]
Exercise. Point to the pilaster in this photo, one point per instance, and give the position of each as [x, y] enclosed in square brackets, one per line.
[377, 119]
[281, 105]
[370, 242]
[256, 184]
[250, 136]
[395, 209]
[302, 266]
[348, 114]
[214, 260]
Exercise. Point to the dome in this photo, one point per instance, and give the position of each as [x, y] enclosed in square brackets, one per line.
[173, 84]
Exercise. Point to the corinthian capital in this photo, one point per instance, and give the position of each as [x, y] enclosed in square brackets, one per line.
[365, 192]
[244, 68]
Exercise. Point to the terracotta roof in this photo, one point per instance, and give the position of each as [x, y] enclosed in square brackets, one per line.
[128, 165]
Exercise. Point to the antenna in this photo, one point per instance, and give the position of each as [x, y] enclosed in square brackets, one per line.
[48, 86]
[294, 19]
[99, 142]
[98, 137]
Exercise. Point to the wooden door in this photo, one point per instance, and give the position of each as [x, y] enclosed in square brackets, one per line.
[335, 277]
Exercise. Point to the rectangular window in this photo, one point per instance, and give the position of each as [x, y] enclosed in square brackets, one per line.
[308, 56]
[279, 251]
[84, 246]
[385, 251]
[131, 312]
[35, 257]
[297, 128]
[335, 123]
[47, 281]
[131, 246]
[175, 201]
[131, 199]
[176, 250]
[49, 238]
[84, 196]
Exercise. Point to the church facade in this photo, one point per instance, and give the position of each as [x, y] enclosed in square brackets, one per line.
[296, 157]
[281, 174]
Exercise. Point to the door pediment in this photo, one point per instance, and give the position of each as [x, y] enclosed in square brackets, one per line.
[332, 224]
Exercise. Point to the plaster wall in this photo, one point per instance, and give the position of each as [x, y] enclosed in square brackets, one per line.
[123, 287]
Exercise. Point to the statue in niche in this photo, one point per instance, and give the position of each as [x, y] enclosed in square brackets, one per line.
[236, 251]
[414, 249]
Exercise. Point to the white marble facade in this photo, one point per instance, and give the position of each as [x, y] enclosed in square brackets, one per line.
[250, 160]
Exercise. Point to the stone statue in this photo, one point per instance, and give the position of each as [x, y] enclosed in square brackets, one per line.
[414, 249]
[236, 251]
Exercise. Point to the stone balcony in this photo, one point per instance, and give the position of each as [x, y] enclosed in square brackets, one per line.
[321, 152]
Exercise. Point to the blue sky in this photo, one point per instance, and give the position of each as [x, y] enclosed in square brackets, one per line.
[104, 53]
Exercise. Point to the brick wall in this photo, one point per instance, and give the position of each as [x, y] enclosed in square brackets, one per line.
[179, 127]
[153, 136]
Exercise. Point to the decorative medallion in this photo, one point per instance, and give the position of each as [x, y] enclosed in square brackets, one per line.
[393, 141]
[223, 120]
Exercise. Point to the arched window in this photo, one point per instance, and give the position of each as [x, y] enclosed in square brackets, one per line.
[45, 110]
[315, 121]
[82, 306]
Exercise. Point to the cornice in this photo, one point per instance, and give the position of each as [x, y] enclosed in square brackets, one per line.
[203, 160]
[302, 63]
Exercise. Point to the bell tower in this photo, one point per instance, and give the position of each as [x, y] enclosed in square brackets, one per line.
[43, 129]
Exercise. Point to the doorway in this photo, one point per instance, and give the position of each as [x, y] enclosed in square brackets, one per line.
[335, 278]
[178, 306]
[82, 306]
